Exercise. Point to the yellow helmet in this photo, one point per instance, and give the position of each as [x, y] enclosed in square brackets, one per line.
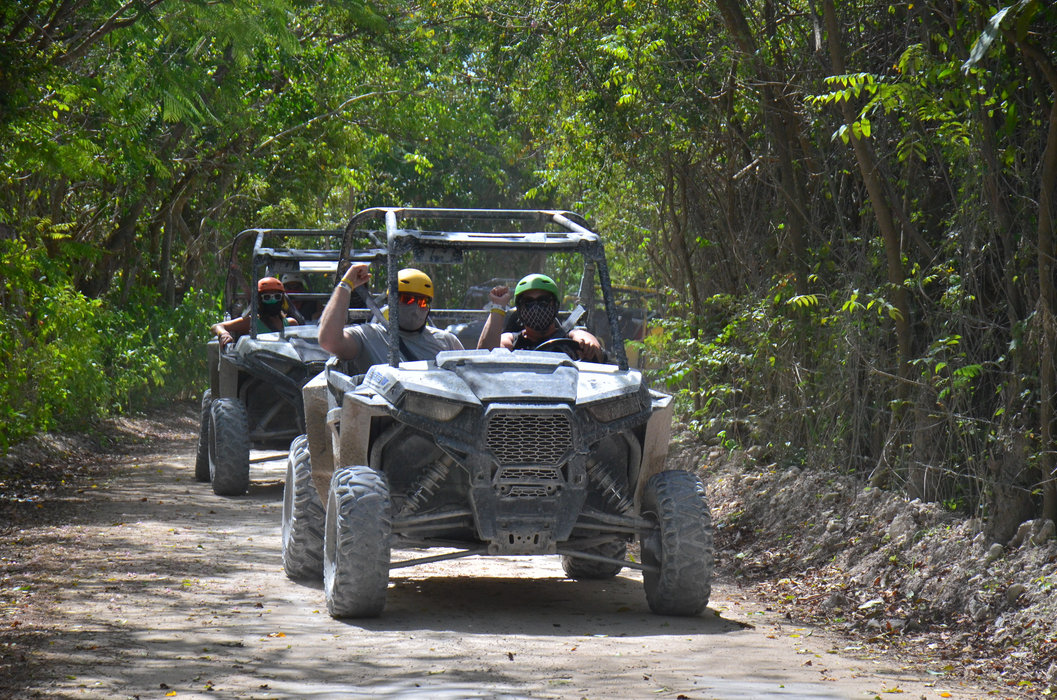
[415, 282]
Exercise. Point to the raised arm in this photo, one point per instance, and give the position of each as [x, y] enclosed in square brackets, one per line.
[332, 334]
[492, 332]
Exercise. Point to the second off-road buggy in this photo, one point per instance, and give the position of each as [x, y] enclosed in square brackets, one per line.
[497, 452]
[254, 395]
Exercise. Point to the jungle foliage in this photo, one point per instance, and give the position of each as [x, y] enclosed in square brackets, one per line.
[849, 205]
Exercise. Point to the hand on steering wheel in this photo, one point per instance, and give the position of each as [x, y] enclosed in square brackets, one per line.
[567, 345]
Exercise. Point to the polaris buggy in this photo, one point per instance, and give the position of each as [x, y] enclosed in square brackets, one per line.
[492, 452]
[254, 395]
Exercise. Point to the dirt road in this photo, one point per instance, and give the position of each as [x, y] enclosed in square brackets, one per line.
[161, 589]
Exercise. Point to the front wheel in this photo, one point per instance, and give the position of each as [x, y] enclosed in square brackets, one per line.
[229, 448]
[356, 551]
[303, 516]
[202, 454]
[679, 548]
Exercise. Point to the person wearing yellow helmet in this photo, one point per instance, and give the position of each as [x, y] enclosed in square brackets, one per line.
[367, 344]
[270, 315]
[536, 297]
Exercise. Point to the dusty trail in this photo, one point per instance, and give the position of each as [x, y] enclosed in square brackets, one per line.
[164, 590]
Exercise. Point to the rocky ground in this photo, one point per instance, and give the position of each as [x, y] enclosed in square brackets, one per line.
[904, 577]
[47, 481]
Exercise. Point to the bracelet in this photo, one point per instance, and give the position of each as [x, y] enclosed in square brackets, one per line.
[344, 285]
[495, 308]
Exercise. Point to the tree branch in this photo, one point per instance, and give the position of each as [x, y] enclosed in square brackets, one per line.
[319, 117]
[115, 21]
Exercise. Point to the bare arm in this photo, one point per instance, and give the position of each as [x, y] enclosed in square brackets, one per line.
[493, 326]
[332, 334]
[227, 331]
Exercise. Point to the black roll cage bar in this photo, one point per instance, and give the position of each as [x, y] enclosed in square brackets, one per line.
[573, 235]
[263, 255]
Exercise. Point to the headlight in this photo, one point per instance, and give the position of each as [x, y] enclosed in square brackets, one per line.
[609, 411]
[431, 407]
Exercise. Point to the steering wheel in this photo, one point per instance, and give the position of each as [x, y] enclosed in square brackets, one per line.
[567, 345]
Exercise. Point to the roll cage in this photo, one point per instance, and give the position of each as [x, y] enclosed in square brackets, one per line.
[272, 255]
[441, 237]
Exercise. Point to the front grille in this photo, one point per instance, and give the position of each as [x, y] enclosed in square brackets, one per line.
[529, 438]
[528, 492]
[520, 474]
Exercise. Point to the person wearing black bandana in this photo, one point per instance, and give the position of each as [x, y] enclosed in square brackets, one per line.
[271, 316]
[536, 298]
[366, 344]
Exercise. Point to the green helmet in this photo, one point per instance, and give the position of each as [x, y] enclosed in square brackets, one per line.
[541, 282]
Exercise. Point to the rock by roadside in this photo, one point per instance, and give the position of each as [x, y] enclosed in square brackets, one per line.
[901, 575]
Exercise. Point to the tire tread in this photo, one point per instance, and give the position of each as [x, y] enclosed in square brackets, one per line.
[304, 516]
[356, 543]
[683, 549]
[229, 458]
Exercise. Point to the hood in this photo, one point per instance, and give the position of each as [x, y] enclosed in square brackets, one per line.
[531, 379]
[301, 346]
[521, 376]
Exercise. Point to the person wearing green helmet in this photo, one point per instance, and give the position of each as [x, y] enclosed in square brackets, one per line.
[536, 297]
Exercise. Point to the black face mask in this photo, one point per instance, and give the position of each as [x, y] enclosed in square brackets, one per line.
[271, 308]
[538, 314]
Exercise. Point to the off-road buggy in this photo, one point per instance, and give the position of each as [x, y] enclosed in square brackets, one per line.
[254, 395]
[491, 452]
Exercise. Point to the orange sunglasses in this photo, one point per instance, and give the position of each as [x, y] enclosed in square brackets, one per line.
[408, 299]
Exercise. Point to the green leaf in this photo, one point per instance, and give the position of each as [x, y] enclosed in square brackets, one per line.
[969, 371]
[803, 300]
[1024, 11]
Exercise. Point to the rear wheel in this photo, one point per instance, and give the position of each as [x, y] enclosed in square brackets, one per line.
[679, 547]
[202, 454]
[579, 568]
[356, 543]
[229, 448]
[303, 516]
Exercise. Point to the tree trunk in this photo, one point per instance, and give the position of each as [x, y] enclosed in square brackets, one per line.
[117, 246]
[1047, 293]
[1047, 303]
[890, 234]
[780, 119]
[165, 282]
